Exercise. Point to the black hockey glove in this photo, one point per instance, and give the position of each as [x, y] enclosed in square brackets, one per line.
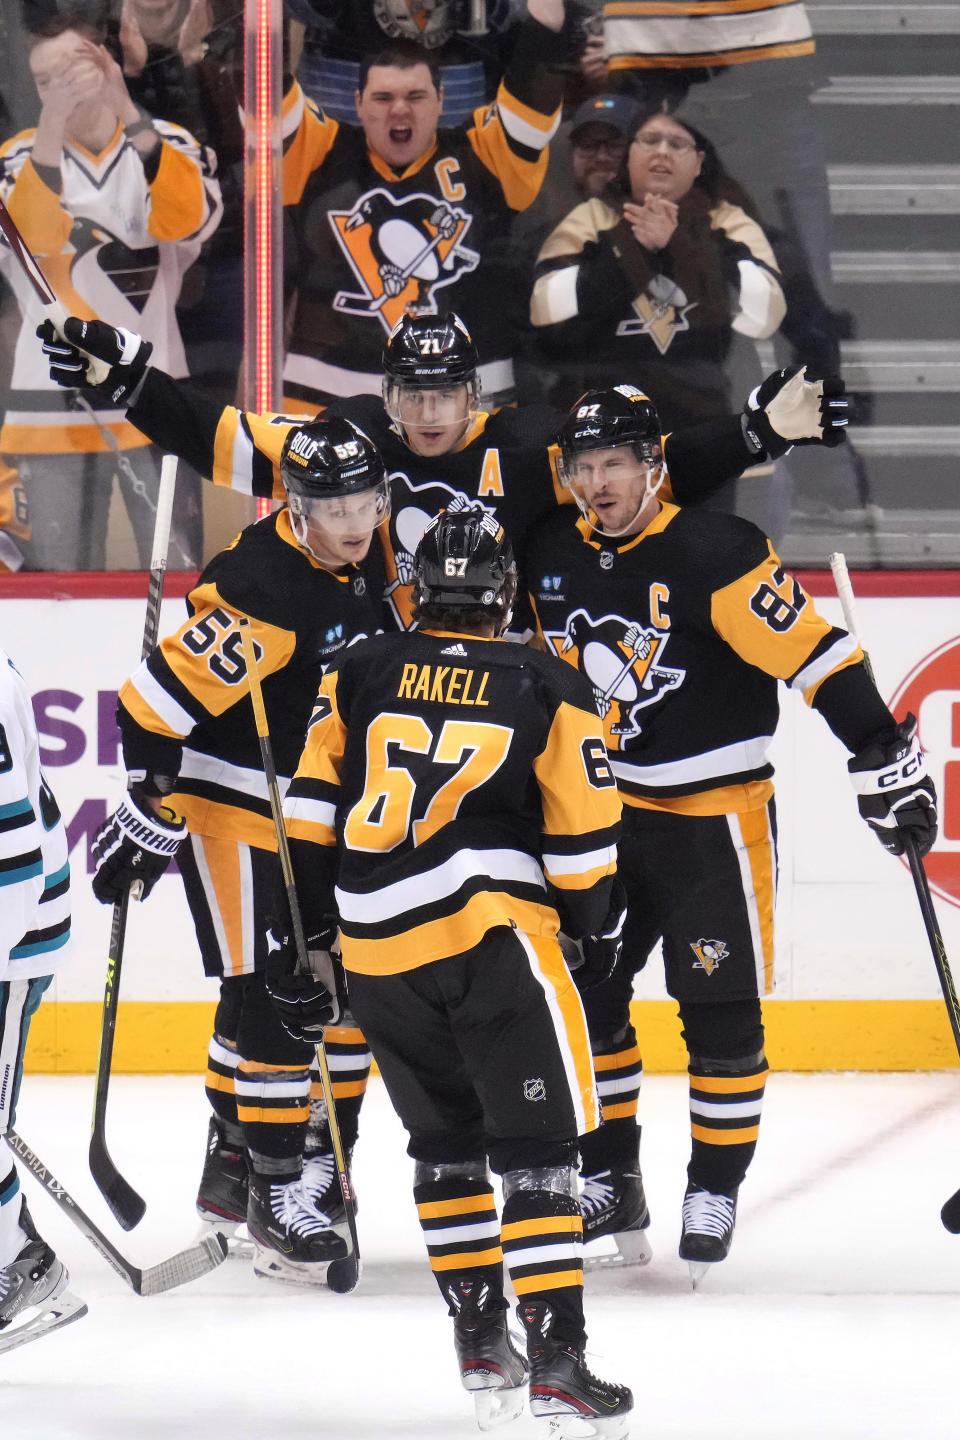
[134, 844]
[598, 953]
[788, 409]
[306, 1004]
[895, 794]
[127, 355]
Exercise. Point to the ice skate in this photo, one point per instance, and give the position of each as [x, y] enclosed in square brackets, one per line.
[491, 1366]
[614, 1210]
[293, 1239]
[708, 1224]
[563, 1393]
[34, 1298]
[222, 1194]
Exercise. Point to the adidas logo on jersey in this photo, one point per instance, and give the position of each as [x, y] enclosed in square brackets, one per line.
[453, 650]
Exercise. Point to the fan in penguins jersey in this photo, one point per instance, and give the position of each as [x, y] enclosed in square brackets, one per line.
[309, 579]
[684, 621]
[442, 450]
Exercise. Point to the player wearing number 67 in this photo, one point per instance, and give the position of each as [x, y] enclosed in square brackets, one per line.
[454, 804]
[684, 621]
[308, 578]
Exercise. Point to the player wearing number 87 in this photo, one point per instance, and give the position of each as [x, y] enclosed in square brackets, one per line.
[308, 578]
[684, 621]
[453, 804]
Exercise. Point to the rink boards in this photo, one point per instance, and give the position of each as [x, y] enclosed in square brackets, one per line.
[855, 984]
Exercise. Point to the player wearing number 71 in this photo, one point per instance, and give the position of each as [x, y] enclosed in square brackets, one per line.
[684, 621]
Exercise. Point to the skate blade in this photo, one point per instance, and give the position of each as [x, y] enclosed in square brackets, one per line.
[632, 1248]
[583, 1427]
[235, 1233]
[494, 1408]
[271, 1265]
[52, 1315]
[699, 1270]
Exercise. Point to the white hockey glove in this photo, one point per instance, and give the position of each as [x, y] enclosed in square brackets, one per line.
[134, 844]
[788, 409]
[895, 794]
[594, 958]
[127, 355]
[306, 1004]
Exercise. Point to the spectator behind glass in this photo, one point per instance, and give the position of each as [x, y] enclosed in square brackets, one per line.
[115, 206]
[743, 75]
[471, 43]
[182, 60]
[398, 215]
[651, 286]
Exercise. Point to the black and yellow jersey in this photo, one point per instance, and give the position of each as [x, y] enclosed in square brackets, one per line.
[373, 242]
[186, 711]
[506, 462]
[465, 785]
[685, 34]
[683, 632]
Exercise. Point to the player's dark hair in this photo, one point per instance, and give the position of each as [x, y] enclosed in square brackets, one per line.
[403, 55]
[474, 621]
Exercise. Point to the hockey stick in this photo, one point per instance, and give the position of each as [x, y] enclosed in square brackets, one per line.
[57, 312]
[950, 1214]
[342, 1275]
[127, 1206]
[177, 1270]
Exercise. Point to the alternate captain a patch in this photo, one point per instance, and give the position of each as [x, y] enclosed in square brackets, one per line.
[709, 953]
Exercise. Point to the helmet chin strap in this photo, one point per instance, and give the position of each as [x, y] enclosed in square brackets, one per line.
[650, 490]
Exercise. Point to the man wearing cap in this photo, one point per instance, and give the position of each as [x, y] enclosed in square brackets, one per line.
[599, 137]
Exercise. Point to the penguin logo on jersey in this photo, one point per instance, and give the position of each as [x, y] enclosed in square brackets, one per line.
[709, 953]
[622, 661]
[402, 252]
[662, 312]
[408, 520]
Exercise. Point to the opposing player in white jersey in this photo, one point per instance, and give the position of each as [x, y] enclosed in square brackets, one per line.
[34, 940]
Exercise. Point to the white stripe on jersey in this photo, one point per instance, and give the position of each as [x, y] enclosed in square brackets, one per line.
[160, 701]
[813, 673]
[196, 765]
[439, 883]
[521, 130]
[579, 864]
[702, 34]
[735, 759]
[314, 812]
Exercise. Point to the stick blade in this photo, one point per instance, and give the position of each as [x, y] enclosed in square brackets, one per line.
[950, 1214]
[127, 1207]
[184, 1266]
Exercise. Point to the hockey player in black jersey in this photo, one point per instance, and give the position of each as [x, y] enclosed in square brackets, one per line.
[309, 579]
[441, 449]
[452, 806]
[683, 621]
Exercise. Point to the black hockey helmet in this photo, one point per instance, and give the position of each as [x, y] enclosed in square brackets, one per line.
[604, 419]
[335, 479]
[322, 458]
[430, 351]
[464, 561]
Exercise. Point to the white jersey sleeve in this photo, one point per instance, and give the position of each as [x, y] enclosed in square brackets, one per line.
[34, 871]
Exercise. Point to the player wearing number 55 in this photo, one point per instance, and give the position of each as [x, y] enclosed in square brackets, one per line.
[308, 578]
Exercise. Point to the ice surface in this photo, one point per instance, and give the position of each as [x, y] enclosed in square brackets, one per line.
[837, 1314]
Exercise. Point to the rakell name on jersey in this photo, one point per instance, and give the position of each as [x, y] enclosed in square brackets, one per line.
[446, 684]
